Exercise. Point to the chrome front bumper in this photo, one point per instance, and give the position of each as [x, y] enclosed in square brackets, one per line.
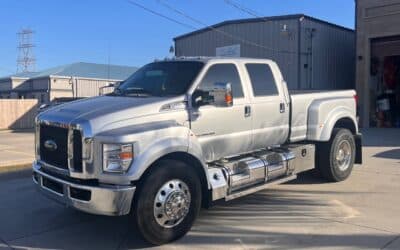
[105, 200]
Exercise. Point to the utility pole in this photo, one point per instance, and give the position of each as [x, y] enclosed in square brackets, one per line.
[26, 61]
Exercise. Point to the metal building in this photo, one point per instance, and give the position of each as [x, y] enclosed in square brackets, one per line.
[71, 80]
[312, 54]
[378, 62]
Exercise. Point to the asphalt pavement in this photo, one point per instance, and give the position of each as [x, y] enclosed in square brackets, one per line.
[362, 212]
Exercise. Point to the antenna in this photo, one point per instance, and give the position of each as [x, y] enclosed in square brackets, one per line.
[26, 61]
[108, 62]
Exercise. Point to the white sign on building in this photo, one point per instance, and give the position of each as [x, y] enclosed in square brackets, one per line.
[228, 51]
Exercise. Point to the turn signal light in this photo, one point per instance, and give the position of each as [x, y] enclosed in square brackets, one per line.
[228, 99]
[126, 155]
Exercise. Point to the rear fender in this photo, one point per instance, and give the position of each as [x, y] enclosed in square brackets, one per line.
[324, 114]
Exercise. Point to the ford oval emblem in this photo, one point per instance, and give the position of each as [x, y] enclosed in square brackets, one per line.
[50, 145]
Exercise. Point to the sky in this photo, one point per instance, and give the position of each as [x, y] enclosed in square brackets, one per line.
[116, 31]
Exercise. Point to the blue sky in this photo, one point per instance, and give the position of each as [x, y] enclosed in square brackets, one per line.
[70, 31]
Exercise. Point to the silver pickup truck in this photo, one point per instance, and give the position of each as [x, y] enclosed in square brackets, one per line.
[181, 134]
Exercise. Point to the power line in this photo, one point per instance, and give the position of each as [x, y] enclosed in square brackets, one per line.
[161, 15]
[182, 13]
[220, 31]
[242, 8]
[245, 9]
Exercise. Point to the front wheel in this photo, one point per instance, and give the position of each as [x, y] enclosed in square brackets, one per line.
[168, 201]
[335, 159]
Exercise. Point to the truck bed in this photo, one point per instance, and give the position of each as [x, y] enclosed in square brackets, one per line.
[314, 91]
[306, 103]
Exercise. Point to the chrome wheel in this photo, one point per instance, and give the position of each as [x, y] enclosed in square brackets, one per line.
[172, 203]
[343, 155]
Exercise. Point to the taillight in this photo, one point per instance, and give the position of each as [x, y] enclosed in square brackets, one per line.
[356, 99]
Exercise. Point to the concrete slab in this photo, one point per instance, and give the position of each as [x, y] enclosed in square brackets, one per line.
[360, 213]
[16, 149]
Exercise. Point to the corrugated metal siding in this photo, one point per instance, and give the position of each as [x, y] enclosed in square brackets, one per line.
[333, 50]
[41, 83]
[273, 44]
[6, 85]
[331, 60]
[90, 87]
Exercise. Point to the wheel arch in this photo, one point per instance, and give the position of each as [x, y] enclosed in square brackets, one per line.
[348, 123]
[192, 162]
[328, 113]
[343, 119]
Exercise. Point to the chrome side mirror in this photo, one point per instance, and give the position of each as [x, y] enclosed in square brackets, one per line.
[219, 95]
[110, 85]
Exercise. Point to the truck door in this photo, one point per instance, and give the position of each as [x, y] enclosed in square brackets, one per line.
[222, 131]
[269, 110]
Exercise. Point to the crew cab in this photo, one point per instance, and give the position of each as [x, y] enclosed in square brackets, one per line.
[182, 134]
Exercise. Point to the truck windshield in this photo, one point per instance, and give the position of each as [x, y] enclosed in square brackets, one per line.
[160, 79]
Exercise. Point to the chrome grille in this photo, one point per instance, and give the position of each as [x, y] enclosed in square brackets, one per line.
[68, 154]
[77, 150]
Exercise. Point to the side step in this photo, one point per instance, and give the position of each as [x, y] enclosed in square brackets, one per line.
[260, 187]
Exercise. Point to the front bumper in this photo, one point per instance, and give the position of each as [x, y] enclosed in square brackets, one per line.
[105, 200]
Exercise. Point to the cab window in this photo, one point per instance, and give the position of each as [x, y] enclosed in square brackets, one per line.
[262, 79]
[223, 73]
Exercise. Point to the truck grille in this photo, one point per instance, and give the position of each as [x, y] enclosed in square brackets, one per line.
[58, 155]
[77, 150]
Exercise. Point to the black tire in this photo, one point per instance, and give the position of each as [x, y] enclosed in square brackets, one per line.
[161, 173]
[328, 166]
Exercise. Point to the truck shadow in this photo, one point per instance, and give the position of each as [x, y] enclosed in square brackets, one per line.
[309, 177]
[270, 218]
[264, 219]
[389, 154]
[381, 137]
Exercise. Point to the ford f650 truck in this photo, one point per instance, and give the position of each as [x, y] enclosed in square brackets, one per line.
[181, 134]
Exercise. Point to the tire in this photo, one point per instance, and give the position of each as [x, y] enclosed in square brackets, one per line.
[332, 164]
[169, 180]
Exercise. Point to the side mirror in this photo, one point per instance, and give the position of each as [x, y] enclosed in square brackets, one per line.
[220, 95]
[115, 85]
[110, 85]
[43, 106]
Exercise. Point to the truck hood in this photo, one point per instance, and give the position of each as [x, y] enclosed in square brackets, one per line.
[103, 110]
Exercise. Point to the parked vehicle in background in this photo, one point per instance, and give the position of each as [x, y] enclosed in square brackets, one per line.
[181, 134]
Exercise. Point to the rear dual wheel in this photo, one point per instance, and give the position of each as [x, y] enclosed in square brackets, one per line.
[335, 159]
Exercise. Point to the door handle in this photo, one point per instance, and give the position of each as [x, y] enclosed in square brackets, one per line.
[247, 111]
[282, 107]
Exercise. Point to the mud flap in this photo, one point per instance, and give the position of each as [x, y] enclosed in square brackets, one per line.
[358, 141]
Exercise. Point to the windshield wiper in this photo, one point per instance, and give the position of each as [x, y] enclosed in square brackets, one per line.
[134, 92]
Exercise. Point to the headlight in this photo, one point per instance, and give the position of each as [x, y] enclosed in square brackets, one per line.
[117, 157]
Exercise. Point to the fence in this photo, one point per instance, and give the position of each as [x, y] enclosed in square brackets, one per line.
[17, 113]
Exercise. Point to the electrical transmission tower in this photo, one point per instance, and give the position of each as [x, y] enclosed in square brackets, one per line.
[26, 61]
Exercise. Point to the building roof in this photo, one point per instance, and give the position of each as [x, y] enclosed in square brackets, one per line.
[261, 19]
[83, 70]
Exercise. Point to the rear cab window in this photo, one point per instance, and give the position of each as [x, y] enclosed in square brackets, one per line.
[262, 79]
